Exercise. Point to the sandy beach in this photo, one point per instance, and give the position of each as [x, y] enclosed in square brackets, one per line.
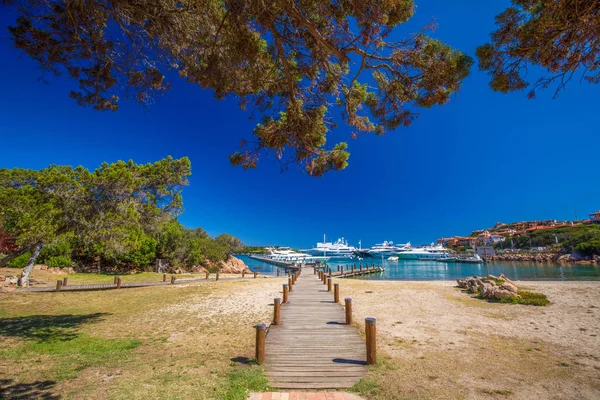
[442, 343]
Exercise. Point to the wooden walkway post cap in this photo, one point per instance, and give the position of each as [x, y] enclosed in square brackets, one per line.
[290, 284]
[371, 333]
[285, 293]
[164, 277]
[276, 311]
[336, 293]
[348, 303]
[65, 282]
[217, 277]
[58, 285]
[260, 342]
[118, 282]
[329, 282]
[173, 280]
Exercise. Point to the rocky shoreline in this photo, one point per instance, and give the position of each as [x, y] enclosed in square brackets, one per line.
[546, 257]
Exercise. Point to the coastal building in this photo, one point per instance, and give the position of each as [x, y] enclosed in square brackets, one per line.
[595, 217]
[458, 241]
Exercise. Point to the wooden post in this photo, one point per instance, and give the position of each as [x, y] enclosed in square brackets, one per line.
[243, 273]
[114, 280]
[360, 267]
[314, 270]
[324, 279]
[329, 283]
[371, 331]
[118, 282]
[260, 342]
[173, 280]
[348, 302]
[217, 278]
[65, 282]
[206, 275]
[58, 285]
[254, 275]
[276, 311]
[336, 293]
[278, 271]
[290, 284]
[164, 277]
[285, 293]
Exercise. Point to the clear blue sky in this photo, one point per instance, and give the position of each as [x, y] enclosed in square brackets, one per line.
[484, 157]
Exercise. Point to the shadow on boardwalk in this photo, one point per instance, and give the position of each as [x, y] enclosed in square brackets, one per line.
[43, 328]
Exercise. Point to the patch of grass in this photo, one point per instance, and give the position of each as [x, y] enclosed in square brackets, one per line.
[245, 380]
[367, 387]
[71, 356]
[527, 298]
[497, 391]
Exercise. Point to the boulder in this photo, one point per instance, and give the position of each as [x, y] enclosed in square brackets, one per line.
[11, 280]
[499, 294]
[43, 267]
[510, 287]
[233, 266]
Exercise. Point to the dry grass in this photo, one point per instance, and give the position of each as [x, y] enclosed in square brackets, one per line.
[45, 278]
[193, 341]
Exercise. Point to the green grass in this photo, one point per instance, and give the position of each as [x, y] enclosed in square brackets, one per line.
[243, 381]
[527, 298]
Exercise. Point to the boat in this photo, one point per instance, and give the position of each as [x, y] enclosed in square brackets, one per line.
[447, 259]
[393, 258]
[384, 249]
[471, 259]
[288, 255]
[339, 249]
[432, 252]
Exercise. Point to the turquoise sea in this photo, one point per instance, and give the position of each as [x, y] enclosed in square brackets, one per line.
[430, 270]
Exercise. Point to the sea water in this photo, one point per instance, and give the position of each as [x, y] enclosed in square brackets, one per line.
[413, 270]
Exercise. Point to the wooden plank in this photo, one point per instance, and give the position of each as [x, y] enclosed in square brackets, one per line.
[312, 347]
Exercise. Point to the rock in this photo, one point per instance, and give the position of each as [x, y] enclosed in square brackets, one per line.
[493, 277]
[43, 267]
[499, 294]
[11, 280]
[6, 289]
[199, 269]
[179, 271]
[37, 267]
[233, 266]
[510, 287]
[486, 289]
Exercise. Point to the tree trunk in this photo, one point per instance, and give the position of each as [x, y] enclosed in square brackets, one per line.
[14, 255]
[24, 281]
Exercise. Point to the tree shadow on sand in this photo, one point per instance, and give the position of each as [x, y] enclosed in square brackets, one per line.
[34, 390]
[43, 328]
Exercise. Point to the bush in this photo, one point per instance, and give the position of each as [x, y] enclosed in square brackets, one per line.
[527, 298]
[20, 262]
[59, 262]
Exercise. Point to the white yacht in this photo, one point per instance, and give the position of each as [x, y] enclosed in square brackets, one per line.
[289, 255]
[339, 249]
[432, 252]
[385, 249]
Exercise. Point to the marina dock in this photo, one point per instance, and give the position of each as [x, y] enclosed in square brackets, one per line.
[347, 270]
[278, 263]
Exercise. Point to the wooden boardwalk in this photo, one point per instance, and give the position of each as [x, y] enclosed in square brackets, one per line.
[312, 347]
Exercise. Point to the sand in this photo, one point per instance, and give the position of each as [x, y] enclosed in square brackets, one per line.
[450, 345]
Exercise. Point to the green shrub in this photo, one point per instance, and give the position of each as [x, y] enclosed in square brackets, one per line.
[527, 298]
[59, 262]
[20, 262]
